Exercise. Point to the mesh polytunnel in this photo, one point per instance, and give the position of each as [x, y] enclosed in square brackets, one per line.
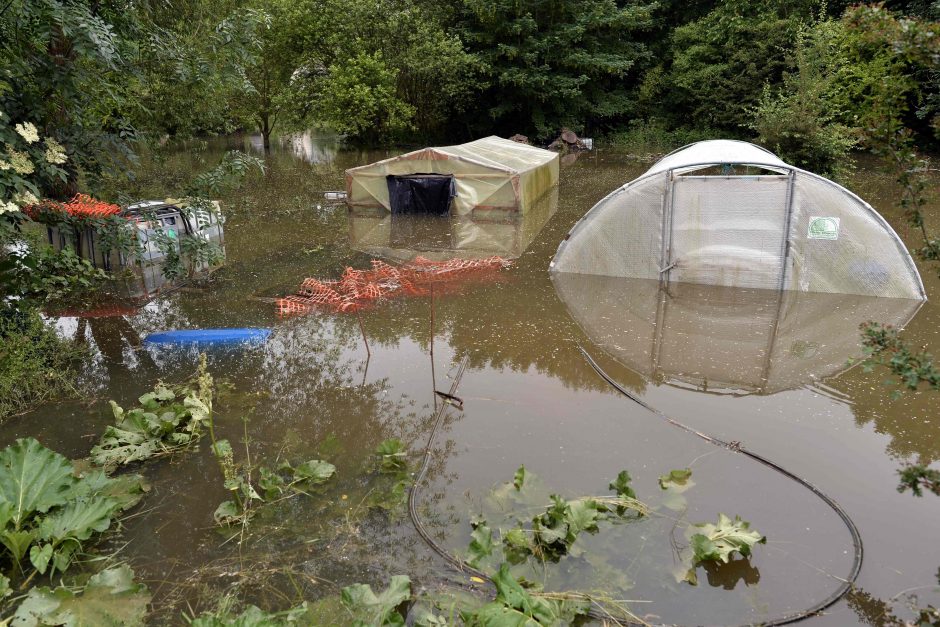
[730, 213]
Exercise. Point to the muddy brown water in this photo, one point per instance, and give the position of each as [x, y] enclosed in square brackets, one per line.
[530, 398]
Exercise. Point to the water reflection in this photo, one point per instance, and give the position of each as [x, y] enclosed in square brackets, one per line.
[403, 237]
[720, 339]
[310, 146]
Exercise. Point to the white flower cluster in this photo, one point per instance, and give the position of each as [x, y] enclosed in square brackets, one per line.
[55, 153]
[19, 161]
[28, 132]
[7, 207]
[26, 198]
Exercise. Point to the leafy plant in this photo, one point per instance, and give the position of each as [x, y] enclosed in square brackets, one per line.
[717, 542]
[271, 484]
[48, 510]
[109, 598]
[392, 455]
[550, 534]
[514, 605]
[168, 419]
[369, 609]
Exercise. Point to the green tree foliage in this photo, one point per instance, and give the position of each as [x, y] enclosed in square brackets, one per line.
[360, 99]
[196, 59]
[721, 62]
[65, 70]
[888, 78]
[556, 63]
[417, 74]
[798, 120]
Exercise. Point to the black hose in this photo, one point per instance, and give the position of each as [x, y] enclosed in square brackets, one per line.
[736, 447]
[463, 566]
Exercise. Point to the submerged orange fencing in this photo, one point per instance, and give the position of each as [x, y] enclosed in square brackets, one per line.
[81, 206]
[358, 288]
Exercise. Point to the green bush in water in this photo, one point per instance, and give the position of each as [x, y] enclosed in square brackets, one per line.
[35, 364]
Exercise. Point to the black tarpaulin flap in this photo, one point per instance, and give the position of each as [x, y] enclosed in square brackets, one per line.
[421, 193]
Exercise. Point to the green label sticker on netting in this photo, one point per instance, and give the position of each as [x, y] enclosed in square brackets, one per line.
[823, 228]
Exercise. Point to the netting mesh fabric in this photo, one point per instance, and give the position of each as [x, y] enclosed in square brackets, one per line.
[356, 289]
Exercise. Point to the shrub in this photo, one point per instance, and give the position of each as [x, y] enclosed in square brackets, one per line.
[35, 363]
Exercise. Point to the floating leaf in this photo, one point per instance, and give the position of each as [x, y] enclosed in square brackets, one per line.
[516, 545]
[679, 480]
[582, 516]
[481, 543]
[369, 609]
[314, 471]
[718, 542]
[518, 479]
[110, 598]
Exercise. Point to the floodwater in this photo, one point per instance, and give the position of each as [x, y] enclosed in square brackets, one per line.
[765, 370]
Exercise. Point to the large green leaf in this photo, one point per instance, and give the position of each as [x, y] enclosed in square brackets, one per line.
[718, 542]
[78, 519]
[369, 609]
[33, 479]
[17, 542]
[314, 471]
[111, 598]
[582, 516]
[126, 490]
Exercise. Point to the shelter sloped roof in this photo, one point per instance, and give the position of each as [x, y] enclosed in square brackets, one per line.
[492, 152]
[501, 153]
[717, 151]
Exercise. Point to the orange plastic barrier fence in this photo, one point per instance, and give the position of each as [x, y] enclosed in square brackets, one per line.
[358, 288]
[81, 205]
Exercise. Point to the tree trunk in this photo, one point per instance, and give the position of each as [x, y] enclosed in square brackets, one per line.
[266, 131]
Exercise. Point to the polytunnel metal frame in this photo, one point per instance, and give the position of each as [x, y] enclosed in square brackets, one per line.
[789, 170]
